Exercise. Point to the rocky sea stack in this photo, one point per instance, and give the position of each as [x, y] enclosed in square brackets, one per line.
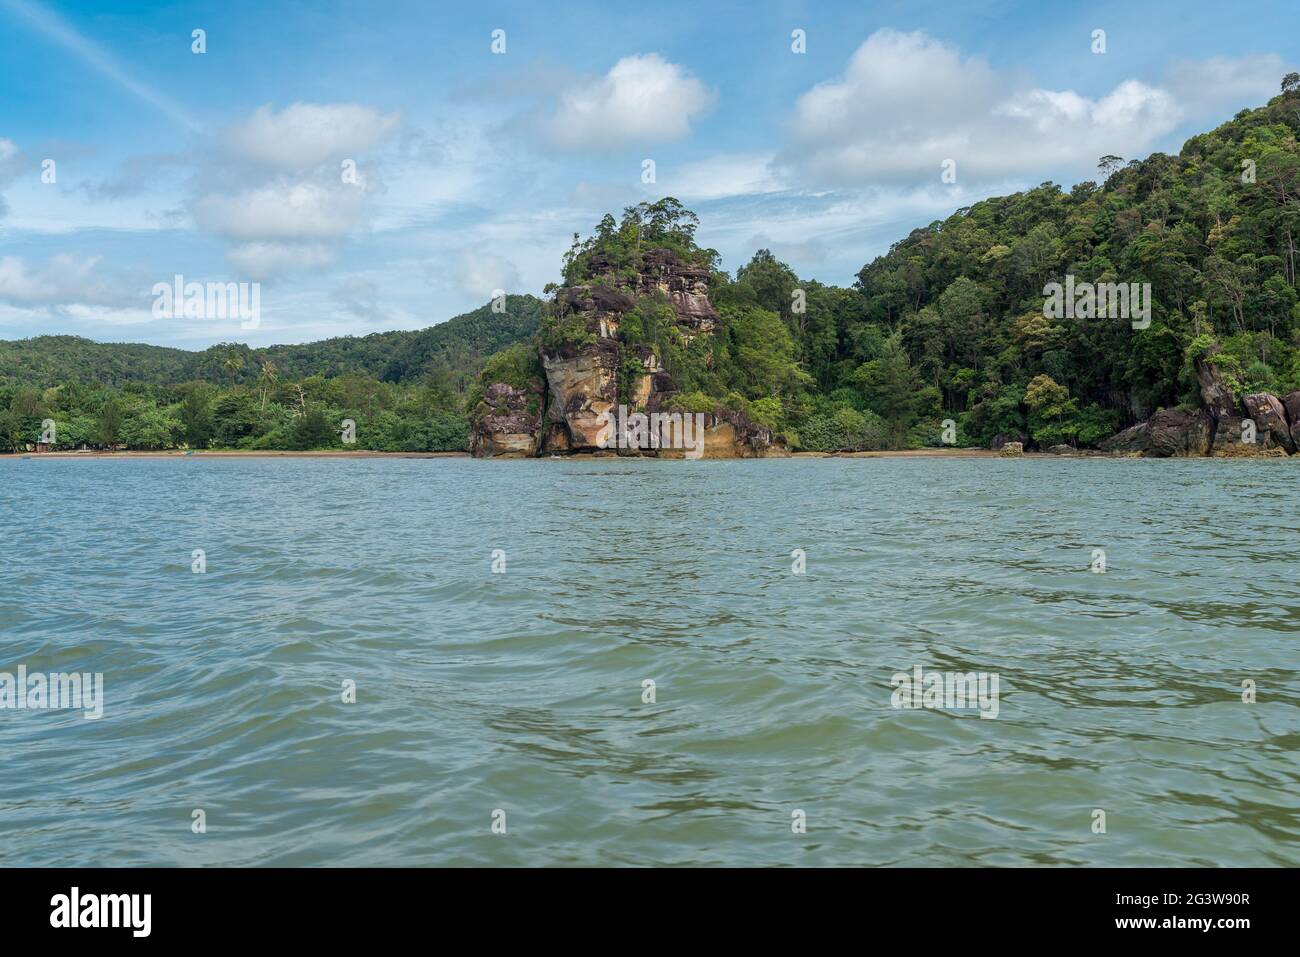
[634, 309]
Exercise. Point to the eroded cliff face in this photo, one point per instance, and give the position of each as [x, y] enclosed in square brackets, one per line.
[586, 378]
[686, 287]
[583, 391]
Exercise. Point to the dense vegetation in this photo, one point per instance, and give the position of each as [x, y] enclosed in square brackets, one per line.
[949, 324]
[405, 391]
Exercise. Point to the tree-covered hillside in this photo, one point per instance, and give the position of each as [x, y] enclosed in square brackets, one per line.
[405, 391]
[455, 348]
[1214, 230]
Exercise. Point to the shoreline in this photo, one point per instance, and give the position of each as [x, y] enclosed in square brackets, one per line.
[370, 454]
[237, 454]
[579, 456]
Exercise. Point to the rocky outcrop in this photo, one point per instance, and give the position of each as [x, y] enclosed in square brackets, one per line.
[1215, 393]
[1134, 440]
[1262, 425]
[684, 285]
[601, 306]
[507, 422]
[590, 373]
[1012, 450]
[729, 434]
[1177, 434]
[1241, 437]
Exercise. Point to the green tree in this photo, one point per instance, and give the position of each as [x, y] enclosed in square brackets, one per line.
[195, 416]
[109, 424]
[312, 430]
[894, 391]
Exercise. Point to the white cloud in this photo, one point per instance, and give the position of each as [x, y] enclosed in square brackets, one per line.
[907, 102]
[304, 135]
[266, 260]
[8, 169]
[66, 280]
[718, 177]
[282, 211]
[277, 196]
[643, 98]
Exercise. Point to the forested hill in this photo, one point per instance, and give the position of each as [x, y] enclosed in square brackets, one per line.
[1215, 230]
[454, 348]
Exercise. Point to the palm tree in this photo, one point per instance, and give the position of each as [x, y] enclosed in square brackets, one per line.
[267, 379]
[232, 363]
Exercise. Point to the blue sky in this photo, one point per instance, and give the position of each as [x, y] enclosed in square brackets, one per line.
[475, 168]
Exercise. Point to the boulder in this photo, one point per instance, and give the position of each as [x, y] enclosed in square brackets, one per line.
[1003, 438]
[1062, 450]
[1271, 418]
[1230, 440]
[1172, 433]
[1136, 438]
[1291, 405]
[1012, 450]
[1168, 433]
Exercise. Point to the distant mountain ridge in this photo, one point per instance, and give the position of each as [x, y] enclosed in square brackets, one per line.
[458, 346]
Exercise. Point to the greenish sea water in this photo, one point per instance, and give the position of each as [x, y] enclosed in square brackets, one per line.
[522, 691]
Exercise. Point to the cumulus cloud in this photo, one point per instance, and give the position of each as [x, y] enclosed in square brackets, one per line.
[278, 195]
[642, 99]
[281, 211]
[304, 135]
[66, 280]
[907, 102]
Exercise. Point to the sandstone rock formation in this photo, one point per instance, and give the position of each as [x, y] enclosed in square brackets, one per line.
[510, 424]
[590, 372]
[583, 388]
[1215, 393]
[1002, 439]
